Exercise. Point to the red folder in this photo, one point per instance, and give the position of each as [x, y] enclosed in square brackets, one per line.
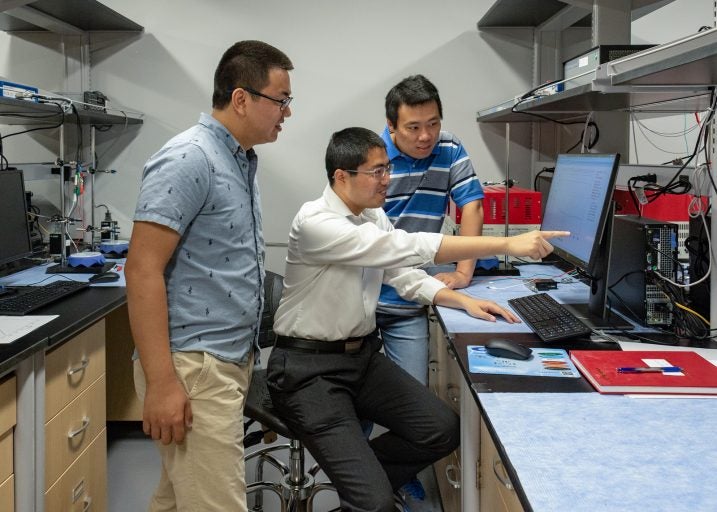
[600, 367]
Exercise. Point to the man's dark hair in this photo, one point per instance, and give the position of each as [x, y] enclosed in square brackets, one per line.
[411, 91]
[348, 149]
[246, 63]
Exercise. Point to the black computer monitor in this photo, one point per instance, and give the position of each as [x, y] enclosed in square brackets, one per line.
[15, 242]
[580, 201]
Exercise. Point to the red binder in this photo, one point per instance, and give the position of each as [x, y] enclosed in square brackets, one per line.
[696, 375]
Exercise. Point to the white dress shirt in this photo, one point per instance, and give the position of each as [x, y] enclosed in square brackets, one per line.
[335, 266]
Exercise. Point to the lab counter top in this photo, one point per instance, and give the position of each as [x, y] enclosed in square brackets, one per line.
[75, 312]
[566, 447]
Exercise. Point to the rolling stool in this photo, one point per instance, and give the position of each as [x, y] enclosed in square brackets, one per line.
[297, 487]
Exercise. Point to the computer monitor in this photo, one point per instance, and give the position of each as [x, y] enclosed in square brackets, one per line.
[15, 242]
[580, 201]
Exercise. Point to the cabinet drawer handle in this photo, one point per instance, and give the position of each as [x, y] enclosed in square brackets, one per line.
[504, 480]
[433, 365]
[83, 365]
[88, 504]
[455, 481]
[453, 393]
[75, 433]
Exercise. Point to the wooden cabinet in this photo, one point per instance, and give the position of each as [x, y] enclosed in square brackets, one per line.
[75, 418]
[477, 480]
[83, 486]
[122, 401]
[495, 490]
[444, 380]
[8, 419]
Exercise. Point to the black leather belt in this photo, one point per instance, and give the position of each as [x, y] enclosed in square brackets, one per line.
[316, 346]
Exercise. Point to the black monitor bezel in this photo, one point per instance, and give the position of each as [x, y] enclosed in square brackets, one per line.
[590, 266]
[19, 256]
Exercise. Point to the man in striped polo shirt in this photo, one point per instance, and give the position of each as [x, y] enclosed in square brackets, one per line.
[430, 165]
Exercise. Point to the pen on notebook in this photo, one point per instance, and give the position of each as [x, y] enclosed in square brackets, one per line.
[649, 369]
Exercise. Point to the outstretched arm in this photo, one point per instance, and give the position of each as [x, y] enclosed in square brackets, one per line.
[534, 244]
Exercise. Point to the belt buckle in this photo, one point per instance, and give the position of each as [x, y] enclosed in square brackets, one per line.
[353, 345]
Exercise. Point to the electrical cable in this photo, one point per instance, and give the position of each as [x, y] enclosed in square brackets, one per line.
[114, 141]
[61, 113]
[542, 171]
[531, 95]
[591, 142]
[675, 186]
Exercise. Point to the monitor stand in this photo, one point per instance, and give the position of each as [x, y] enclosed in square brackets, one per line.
[66, 269]
[596, 312]
[611, 322]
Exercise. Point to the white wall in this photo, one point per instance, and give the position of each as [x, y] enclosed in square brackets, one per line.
[678, 19]
[347, 54]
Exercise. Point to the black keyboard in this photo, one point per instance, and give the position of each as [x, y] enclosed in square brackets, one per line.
[549, 319]
[26, 299]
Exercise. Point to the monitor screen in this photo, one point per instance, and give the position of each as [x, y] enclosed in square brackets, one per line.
[579, 201]
[15, 241]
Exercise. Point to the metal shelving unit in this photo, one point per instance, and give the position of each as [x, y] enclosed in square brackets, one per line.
[688, 61]
[74, 18]
[63, 17]
[26, 112]
[675, 77]
[533, 13]
[669, 78]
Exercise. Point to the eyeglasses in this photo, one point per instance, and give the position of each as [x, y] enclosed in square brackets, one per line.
[282, 103]
[379, 172]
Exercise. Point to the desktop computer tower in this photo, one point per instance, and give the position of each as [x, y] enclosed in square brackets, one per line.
[698, 249]
[640, 247]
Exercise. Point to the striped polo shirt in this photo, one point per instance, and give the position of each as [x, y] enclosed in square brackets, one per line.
[417, 196]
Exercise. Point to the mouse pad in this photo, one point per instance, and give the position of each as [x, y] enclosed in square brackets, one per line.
[544, 362]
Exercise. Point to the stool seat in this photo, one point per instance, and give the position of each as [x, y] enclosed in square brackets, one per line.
[260, 408]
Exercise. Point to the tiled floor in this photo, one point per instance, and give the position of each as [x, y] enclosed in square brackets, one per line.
[134, 467]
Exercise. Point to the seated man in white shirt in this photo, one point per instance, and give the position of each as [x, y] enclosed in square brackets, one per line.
[325, 371]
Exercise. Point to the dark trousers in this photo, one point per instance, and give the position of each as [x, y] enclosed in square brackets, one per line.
[321, 398]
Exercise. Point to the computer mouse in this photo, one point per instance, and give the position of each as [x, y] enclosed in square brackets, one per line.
[104, 277]
[507, 349]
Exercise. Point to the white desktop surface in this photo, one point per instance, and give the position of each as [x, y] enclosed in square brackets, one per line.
[591, 452]
[500, 289]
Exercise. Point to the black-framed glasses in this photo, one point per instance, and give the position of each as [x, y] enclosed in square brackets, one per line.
[379, 172]
[283, 103]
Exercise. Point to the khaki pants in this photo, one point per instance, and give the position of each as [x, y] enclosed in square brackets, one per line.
[206, 472]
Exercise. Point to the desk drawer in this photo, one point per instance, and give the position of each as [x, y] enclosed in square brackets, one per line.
[73, 429]
[453, 380]
[83, 487]
[7, 494]
[72, 367]
[8, 418]
[496, 490]
[6, 456]
[8, 404]
[448, 477]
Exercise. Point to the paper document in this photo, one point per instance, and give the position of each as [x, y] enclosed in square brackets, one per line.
[708, 353]
[15, 327]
